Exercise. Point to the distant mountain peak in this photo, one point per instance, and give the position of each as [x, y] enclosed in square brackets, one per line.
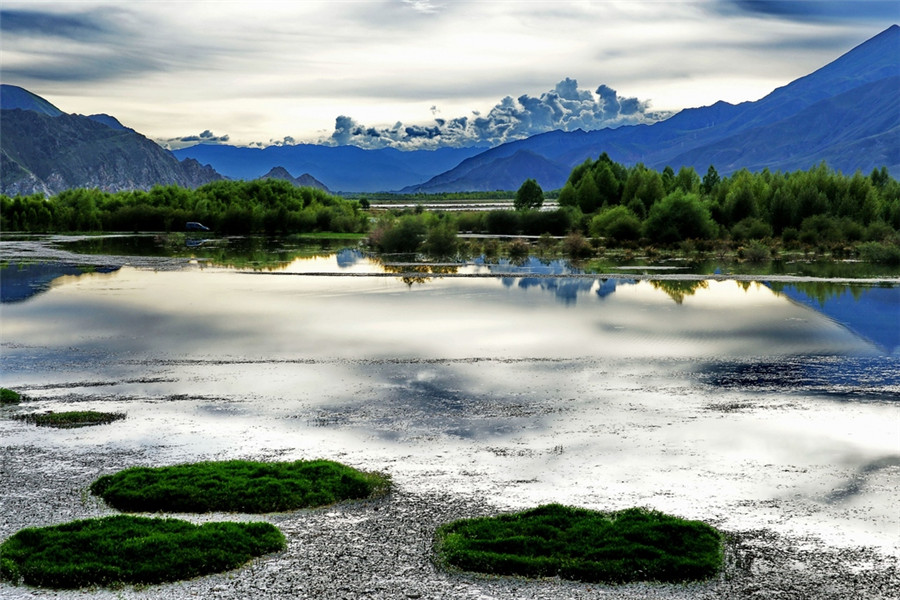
[305, 180]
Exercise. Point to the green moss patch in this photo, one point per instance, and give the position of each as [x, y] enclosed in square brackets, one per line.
[77, 418]
[8, 396]
[553, 540]
[131, 550]
[236, 486]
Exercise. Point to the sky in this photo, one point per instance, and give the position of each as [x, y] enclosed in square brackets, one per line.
[414, 74]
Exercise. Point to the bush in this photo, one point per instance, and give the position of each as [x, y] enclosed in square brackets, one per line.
[751, 229]
[236, 486]
[518, 249]
[577, 246]
[754, 252]
[618, 223]
[679, 216]
[878, 252]
[790, 235]
[553, 540]
[400, 236]
[131, 550]
[8, 396]
[441, 240]
[553, 222]
[69, 419]
[819, 229]
[502, 222]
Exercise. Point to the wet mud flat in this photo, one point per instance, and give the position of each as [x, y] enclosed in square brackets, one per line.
[383, 549]
[733, 405]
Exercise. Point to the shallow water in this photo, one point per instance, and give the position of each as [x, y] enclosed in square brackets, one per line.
[747, 404]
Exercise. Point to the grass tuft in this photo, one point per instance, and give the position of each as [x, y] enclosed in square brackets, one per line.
[236, 486]
[131, 550]
[8, 396]
[76, 418]
[553, 540]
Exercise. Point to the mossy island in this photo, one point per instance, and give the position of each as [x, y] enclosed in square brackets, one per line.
[630, 545]
[237, 486]
[125, 549]
[8, 396]
[70, 419]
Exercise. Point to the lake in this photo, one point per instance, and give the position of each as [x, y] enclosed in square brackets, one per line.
[751, 402]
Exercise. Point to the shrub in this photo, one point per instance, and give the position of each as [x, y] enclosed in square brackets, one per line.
[441, 240]
[403, 235]
[790, 235]
[819, 229]
[577, 246]
[879, 231]
[679, 216]
[751, 229]
[553, 540]
[618, 223]
[553, 222]
[518, 249]
[754, 252]
[131, 550]
[502, 222]
[69, 419]
[236, 486]
[8, 396]
[878, 252]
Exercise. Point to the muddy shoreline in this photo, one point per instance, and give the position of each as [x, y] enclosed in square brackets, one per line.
[383, 548]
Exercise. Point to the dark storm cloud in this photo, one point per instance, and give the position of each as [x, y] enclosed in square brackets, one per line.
[82, 26]
[566, 107]
[828, 10]
[86, 46]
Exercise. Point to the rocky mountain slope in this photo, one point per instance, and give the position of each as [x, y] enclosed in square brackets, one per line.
[43, 150]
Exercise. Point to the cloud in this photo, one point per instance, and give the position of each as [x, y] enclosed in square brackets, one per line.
[830, 10]
[96, 45]
[80, 26]
[566, 107]
[206, 137]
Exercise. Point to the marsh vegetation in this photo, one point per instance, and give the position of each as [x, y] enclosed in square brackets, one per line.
[612, 547]
[126, 549]
[236, 486]
[69, 419]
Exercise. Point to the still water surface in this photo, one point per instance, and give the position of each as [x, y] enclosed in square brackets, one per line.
[747, 404]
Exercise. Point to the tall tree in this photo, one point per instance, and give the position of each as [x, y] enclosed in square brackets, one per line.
[529, 196]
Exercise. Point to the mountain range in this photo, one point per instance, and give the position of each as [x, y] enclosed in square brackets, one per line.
[846, 114]
[44, 150]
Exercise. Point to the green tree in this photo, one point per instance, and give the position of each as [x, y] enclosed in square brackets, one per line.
[710, 180]
[679, 216]
[529, 196]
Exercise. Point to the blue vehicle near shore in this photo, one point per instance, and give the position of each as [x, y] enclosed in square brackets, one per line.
[195, 226]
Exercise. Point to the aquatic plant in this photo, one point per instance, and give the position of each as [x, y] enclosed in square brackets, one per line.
[635, 544]
[236, 486]
[68, 419]
[126, 549]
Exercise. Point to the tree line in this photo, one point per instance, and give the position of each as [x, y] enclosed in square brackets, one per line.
[231, 207]
[815, 206]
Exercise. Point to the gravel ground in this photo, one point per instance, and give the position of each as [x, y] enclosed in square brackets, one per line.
[382, 549]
